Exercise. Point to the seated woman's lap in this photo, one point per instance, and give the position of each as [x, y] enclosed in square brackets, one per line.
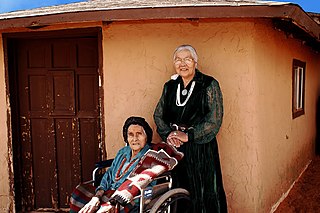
[82, 194]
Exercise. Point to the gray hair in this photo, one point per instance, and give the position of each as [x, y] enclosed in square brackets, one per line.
[188, 47]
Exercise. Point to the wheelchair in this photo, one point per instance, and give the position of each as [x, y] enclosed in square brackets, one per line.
[160, 198]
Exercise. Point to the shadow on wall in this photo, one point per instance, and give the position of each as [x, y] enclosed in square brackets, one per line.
[318, 127]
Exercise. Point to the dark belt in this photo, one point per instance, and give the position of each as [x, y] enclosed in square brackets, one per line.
[182, 128]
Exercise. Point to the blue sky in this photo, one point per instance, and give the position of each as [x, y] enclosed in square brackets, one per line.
[13, 5]
[307, 5]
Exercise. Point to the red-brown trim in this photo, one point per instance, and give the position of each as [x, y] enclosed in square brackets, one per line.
[64, 33]
[101, 98]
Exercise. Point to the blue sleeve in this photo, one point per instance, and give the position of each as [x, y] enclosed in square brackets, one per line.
[109, 175]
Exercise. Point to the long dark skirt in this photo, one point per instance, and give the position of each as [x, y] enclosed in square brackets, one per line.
[199, 172]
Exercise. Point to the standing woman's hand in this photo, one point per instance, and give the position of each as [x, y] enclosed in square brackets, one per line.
[92, 206]
[177, 138]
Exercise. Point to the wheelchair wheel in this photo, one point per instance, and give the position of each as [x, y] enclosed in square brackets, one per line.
[169, 200]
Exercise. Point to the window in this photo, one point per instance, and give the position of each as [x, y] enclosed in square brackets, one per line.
[298, 87]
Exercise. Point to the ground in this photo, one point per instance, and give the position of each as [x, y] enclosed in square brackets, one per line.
[304, 197]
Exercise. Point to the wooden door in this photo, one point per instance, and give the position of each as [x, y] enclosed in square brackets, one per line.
[59, 125]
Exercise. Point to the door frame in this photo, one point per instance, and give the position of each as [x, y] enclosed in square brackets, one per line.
[15, 164]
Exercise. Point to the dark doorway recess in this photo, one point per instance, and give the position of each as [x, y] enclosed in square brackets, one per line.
[55, 112]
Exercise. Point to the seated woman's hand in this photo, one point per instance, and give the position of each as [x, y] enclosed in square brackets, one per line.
[106, 208]
[91, 207]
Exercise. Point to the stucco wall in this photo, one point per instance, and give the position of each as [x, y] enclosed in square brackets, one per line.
[6, 198]
[225, 51]
[285, 145]
[262, 149]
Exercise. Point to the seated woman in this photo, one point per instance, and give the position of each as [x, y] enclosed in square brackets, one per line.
[138, 135]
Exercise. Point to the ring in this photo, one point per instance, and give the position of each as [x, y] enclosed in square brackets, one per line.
[174, 133]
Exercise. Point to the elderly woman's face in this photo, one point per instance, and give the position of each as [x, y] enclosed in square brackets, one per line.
[137, 138]
[185, 65]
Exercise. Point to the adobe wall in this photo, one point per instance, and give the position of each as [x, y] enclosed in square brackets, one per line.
[286, 145]
[262, 149]
[137, 62]
[6, 195]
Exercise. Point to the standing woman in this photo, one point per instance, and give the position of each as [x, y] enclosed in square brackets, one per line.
[188, 116]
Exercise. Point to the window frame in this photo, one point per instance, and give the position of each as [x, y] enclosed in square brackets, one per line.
[298, 88]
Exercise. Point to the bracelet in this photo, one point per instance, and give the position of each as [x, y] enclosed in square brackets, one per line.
[99, 194]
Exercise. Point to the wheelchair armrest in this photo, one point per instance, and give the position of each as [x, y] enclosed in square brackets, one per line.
[97, 172]
[103, 164]
[163, 184]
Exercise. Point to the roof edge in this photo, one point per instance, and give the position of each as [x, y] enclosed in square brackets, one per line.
[283, 11]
